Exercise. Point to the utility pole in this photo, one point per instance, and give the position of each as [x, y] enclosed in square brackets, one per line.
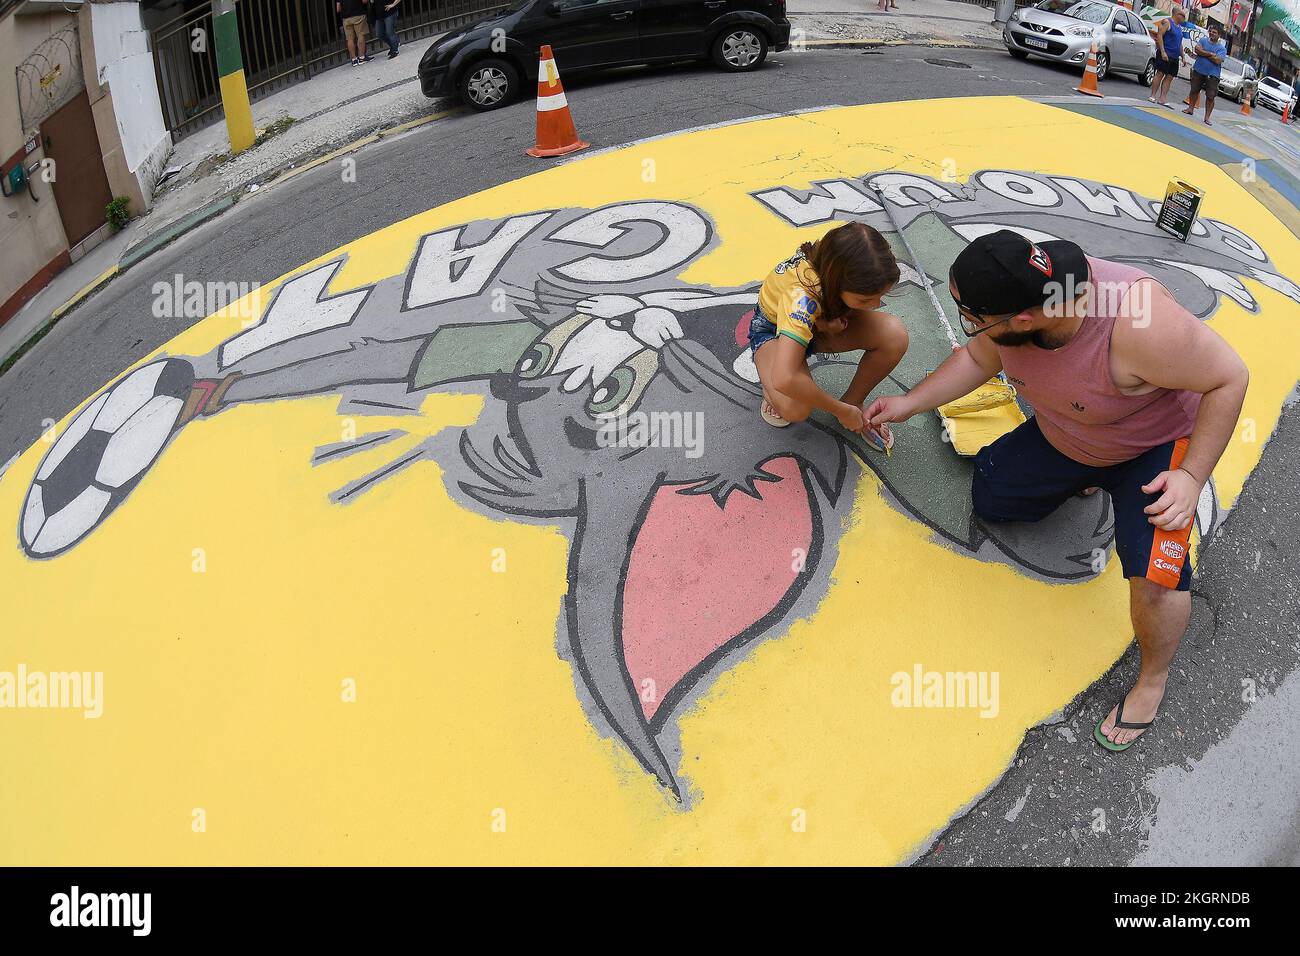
[230, 67]
[1250, 29]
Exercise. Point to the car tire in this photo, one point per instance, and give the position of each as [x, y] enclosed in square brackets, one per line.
[1018, 54]
[488, 84]
[739, 49]
[1103, 65]
[1147, 76]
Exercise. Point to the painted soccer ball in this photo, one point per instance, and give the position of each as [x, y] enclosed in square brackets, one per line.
[101, 456]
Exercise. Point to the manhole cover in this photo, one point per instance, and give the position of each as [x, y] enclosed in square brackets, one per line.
[954, 64]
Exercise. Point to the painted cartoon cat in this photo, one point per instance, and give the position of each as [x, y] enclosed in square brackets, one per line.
[695, 531]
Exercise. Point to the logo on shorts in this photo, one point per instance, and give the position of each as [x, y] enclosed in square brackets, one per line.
[1166, 566]
[1039, 260]
[1173, 549]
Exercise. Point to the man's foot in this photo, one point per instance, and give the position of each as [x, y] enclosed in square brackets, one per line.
[354, 61]
[1207, 123]
[367, 58]
[1151, 99]
[1187, 112]
[1140, 707]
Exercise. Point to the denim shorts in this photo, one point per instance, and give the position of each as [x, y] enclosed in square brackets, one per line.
[762, 330]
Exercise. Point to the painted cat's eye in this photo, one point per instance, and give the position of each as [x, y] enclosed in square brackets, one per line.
[612, 392]
[536, 360]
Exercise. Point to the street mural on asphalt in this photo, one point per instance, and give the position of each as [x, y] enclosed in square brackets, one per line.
[619, 405]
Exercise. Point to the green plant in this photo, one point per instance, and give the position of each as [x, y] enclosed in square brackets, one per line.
[275, 129]
[118, 212]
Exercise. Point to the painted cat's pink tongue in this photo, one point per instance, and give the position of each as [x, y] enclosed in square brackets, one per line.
[700, 575]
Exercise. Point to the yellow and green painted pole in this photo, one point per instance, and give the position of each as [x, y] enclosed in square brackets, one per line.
[230, 67]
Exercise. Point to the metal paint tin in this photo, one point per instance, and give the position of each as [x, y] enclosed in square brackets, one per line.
[1178, 211]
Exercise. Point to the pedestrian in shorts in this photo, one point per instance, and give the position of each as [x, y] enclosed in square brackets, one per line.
[1205, 71]
[1169, 54]
[355, 28]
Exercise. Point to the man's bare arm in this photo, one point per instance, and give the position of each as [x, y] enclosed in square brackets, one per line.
[1161, 343]
[960, 374]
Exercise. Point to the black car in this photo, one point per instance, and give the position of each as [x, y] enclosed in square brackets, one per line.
[489, 62]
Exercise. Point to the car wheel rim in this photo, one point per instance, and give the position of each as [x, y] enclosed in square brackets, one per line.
[1103, 62]
[487, 87]
[740, 49]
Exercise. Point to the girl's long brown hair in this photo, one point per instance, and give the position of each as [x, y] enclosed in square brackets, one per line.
[850, 258]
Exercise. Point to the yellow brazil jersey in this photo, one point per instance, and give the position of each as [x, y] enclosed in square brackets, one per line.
[788, 299]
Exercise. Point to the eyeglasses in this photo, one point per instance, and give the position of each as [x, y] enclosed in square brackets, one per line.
[973, 323]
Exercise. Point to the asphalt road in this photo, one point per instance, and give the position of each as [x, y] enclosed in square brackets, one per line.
[1045, 809]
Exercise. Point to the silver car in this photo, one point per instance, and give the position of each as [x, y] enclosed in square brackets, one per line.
[1235, 79]
[1063, 30]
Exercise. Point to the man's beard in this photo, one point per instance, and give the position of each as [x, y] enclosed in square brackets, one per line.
[1043, 338]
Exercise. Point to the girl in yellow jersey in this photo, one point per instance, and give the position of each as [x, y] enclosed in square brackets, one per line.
[826, 298]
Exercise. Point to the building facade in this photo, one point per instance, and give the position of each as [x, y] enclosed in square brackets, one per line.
[80, 124]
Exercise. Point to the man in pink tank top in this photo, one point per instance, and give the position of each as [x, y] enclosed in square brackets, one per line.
[1131, 394]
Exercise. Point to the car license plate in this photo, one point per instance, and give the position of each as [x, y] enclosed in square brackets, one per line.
[1041, 44]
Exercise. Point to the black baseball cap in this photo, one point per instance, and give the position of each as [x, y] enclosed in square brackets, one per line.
[1003, 273]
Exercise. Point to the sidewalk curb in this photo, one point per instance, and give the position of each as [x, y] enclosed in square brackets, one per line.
[860, 44]
[156, 240]
[148, 245]
[84, 291]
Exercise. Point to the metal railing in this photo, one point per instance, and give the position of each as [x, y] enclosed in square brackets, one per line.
[282, 41]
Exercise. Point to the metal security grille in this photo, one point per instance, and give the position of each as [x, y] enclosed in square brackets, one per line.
[49, 77]
[282, 41]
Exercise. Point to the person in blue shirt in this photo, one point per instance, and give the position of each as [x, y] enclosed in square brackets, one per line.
[1205, 71]
[1169, 54]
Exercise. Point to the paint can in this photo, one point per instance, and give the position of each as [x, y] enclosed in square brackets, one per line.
[1178, 211]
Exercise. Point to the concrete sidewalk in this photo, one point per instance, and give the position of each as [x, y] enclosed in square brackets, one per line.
[940, 22]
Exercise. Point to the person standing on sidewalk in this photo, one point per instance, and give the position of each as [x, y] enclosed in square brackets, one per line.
[1169, 54]
[386, 24]
[1205, 71]
[355, 30]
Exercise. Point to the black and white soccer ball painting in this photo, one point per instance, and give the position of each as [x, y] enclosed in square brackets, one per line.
[99, 458]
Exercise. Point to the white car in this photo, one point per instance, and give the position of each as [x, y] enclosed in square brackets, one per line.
[1275, 94]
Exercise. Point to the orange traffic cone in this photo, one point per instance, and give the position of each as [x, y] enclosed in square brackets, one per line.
[1286, 113]
[1089, 84]
[555, 133]
[1245, 103]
